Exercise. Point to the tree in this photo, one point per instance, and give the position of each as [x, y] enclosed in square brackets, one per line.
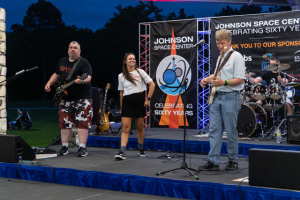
[37, 40]
[252, 9]
[279, 8]
[43, 39]
[228, 11]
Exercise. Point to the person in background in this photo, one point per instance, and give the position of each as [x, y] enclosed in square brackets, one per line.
[273, 77]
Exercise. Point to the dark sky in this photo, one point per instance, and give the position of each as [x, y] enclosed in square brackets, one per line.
[94, 14]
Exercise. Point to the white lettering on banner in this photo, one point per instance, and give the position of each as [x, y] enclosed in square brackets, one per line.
[184, 39]
[171, 105]
[260, 27]
[246, 31]
[233, 25]
[297, 28]
[291, 21]
[175, 112]
[276, 29]
[176, 46]
[266, 23]
[189, 106]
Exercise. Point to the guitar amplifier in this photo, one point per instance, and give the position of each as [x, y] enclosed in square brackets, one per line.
[116, 114]
[97, 96]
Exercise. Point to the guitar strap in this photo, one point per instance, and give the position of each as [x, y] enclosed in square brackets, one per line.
[224, 62]
[73, 69]
[141, 76]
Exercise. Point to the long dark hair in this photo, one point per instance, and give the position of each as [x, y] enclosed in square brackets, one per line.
[125, 71]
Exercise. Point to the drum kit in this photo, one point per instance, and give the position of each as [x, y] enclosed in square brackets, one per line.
[258, 118]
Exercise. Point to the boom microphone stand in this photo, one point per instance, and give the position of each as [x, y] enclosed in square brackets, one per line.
[184, 164]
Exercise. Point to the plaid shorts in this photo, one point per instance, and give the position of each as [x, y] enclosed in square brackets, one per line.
[77, 113]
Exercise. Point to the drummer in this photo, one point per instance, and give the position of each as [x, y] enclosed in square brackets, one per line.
[272, 77]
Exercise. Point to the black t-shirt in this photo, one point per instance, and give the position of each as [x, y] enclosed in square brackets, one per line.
[270, 77]
[75, 91]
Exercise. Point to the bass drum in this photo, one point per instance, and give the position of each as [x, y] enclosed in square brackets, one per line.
[249, 116]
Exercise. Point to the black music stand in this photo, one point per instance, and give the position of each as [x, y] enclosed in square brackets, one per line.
[183, 164]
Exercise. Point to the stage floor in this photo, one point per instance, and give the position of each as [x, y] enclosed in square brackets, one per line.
[102, 159]
[192, 134]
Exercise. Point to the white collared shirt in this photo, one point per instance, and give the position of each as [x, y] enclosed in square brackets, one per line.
[234, 68]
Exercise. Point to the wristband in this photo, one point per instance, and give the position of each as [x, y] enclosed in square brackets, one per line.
[149, 98]
[82, 82]
[227, 82]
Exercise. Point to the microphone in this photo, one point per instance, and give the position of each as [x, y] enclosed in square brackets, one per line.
[20, 72]
[201, 42]
[34, 68]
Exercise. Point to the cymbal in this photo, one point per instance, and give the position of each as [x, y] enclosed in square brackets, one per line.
[293, 83]
[252, 74]
[280, 67]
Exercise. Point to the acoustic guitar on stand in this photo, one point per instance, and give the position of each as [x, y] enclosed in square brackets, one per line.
[103, 124]
[217, 74]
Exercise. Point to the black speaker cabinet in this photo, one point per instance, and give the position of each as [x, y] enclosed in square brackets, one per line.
[13, 146]
[97, 94]
[274, 168]
[116, 114]
[293, 128]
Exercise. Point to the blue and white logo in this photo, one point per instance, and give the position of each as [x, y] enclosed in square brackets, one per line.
[170, 74]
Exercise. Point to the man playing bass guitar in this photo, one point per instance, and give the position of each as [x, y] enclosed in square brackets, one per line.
[75, 107]
[226, 104]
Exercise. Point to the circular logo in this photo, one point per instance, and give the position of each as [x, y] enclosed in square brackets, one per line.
[170, 74]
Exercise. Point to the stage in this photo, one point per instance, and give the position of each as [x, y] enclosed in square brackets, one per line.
[138, 174]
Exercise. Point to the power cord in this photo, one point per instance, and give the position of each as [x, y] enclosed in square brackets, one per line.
[240, 188]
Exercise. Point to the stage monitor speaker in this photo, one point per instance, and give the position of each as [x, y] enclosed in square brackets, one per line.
[274, 168]
[293, 129]
[97, 94]
[12, 147]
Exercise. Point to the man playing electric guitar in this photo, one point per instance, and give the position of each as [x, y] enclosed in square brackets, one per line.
[227, 102]
[75, 108]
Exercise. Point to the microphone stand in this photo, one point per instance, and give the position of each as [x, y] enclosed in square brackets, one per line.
[19, 73]
[183, 164]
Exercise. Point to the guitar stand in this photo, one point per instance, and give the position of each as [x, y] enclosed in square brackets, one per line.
[59, 138]
[111, 130]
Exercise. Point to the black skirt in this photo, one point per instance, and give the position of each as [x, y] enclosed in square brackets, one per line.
[133, 105]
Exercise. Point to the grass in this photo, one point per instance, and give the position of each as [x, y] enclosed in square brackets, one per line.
[44, 123]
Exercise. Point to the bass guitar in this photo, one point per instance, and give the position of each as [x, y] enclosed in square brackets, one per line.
[103, 124]
[61, 90]
[217, 74]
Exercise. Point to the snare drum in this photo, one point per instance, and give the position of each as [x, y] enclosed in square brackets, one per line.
[275, 91]
[258, 91]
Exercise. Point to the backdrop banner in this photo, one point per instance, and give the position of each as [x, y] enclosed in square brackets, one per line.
[257, 35]
[171, 56]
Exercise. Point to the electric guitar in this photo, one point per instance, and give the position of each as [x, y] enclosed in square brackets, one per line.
[217, 74]
[61, 91]
[103, 124]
